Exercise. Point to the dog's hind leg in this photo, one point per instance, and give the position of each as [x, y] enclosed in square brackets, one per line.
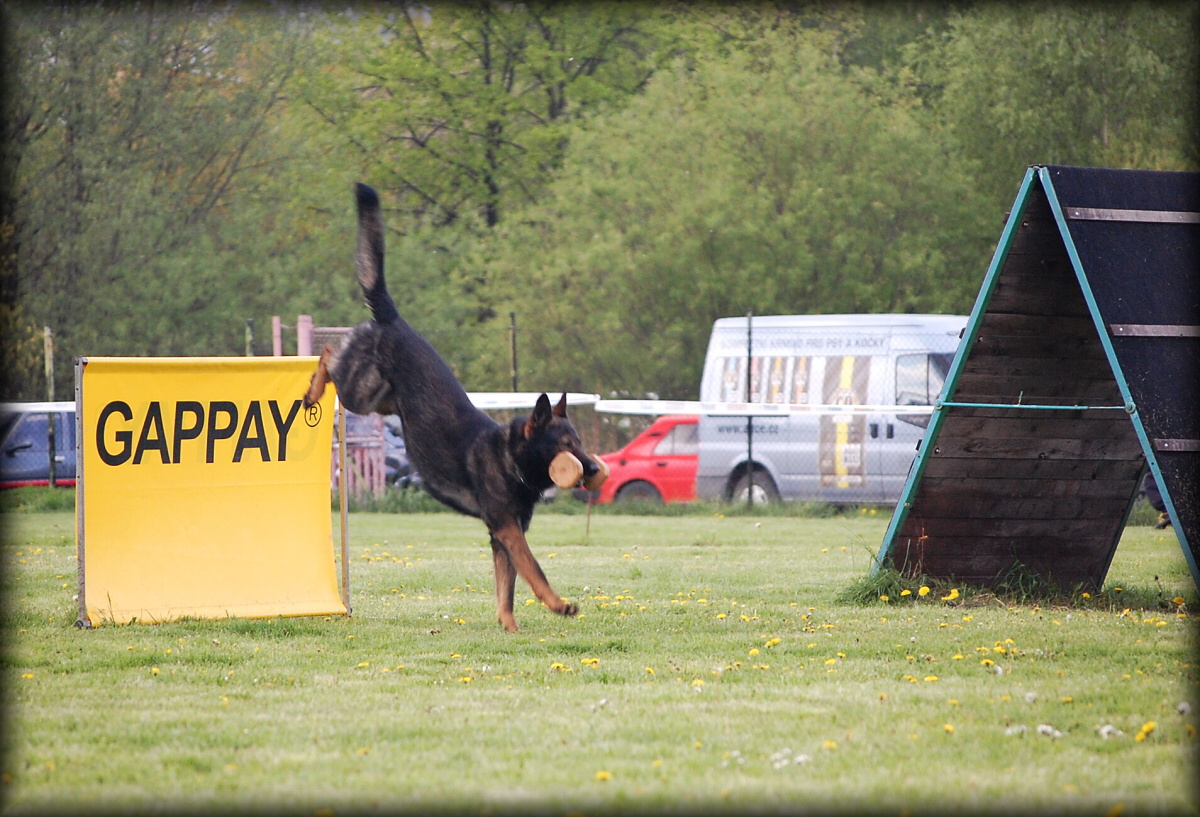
[320, 378]
[506, 580]
[512, 539]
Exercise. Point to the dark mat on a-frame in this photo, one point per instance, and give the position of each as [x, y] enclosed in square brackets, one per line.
[1090, 311]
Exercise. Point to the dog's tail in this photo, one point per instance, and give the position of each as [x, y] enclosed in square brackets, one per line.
[368, 256]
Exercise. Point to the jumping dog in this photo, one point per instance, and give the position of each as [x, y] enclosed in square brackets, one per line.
[466, 459]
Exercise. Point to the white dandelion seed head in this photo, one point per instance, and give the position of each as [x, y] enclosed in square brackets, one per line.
[1184, 708]
[1049, 731]
[1019, 729]
[1109, 731]
[1030, 697]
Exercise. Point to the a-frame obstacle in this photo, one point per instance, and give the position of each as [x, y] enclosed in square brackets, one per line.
[1079, 368]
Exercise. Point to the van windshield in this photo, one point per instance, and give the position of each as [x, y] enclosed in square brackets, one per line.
[919, 381]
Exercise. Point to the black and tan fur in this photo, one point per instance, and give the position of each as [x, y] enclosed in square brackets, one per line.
[466, 459]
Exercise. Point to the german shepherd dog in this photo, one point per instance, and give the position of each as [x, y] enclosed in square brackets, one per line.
[466, 459]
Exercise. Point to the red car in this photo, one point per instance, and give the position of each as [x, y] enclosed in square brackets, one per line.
[659, 465]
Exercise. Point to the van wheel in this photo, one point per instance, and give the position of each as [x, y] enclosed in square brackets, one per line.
[638, 492]
[765, 492]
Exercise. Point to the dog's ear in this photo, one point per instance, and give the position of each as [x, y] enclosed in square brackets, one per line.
[540, 417]
[560, 409]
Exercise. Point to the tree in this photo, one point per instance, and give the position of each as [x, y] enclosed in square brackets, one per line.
[768, 180]
[461, 108]
[1108, 85]
[126, 129]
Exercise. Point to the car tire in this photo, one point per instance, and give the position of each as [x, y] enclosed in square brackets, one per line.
[638, 491]
[765, 492]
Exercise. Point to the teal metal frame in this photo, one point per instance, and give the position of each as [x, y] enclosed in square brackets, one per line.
[1038, 175]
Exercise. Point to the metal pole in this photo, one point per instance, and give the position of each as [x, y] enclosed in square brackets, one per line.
[749, 418]
[80, 543]
[512, 338]
[51, 418]
[343, 501]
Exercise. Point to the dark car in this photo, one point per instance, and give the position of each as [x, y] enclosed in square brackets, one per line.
[25, 444]
[398, 468]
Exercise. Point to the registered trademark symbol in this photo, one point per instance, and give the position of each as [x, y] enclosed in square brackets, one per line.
[312, 415]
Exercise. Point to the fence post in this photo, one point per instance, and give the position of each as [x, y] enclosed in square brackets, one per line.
[512, 335]
[51, 417]
[304, 326]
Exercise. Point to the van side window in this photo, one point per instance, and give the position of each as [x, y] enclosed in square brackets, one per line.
[682, 440]
[919, 380]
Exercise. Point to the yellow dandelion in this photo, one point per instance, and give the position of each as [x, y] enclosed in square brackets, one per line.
[948, 728]
[884, 598]
[1178, 600]
[558, 666]
[952, 595]
[603, 776]
[830, 661]
[923, 592]
[931, 678]
[154, 670]
[696, 682]
[754, 651]
[831, 744]
[906, 592]
[649, 670]
[27, 676]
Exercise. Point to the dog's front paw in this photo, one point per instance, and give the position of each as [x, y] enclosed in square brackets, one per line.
[569, 609]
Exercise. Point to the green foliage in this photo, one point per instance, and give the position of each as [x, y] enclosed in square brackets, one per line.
[463, 109]
[37, 500]
[766, 180]
[126, 137]
[1113, 86]
[618, 175]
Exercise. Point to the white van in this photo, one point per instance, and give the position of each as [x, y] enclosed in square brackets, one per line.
[880, 361]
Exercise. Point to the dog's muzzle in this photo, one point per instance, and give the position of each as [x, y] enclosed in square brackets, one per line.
[566, 471]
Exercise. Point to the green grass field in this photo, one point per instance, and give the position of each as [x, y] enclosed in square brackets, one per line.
[717, 664]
